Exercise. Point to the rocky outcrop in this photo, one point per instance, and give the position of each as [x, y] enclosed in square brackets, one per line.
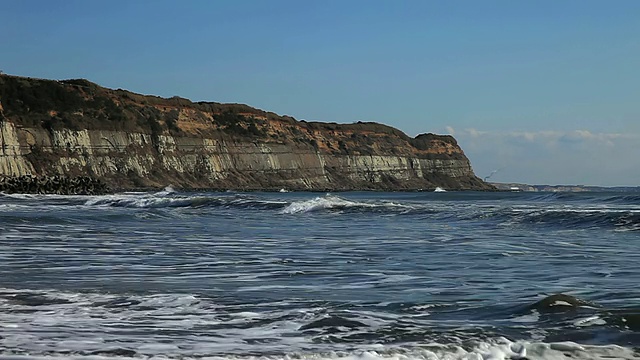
[76, 128]
[26, 184]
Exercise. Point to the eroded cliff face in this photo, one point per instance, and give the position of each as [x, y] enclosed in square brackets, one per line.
[129, 140]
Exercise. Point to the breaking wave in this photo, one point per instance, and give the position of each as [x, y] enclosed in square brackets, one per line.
[169, 199]
[353, 276]
[553, 210]
[333, 203]
[138, 326]
[499, 349]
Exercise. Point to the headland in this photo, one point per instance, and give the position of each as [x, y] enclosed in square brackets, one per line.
[76, 128]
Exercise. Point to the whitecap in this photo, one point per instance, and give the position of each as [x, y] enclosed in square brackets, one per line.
[319, 203]
[329, 202]
[590, 321]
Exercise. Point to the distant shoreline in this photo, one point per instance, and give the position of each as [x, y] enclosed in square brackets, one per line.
[562, 188]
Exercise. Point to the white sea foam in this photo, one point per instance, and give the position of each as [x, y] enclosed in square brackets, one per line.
[590, 321]
[169, 198]
[164, 198]
[501, 349]
[318, 203]
[81, 325]
[533, 317]
[426, 306]
[19, 196]
[137, 201]
[329, 202]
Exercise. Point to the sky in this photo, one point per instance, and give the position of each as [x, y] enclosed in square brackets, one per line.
[544, 92]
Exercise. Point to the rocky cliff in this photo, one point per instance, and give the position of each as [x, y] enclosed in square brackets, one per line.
[128, 140]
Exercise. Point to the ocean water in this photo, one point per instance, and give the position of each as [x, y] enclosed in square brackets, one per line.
[357, 275]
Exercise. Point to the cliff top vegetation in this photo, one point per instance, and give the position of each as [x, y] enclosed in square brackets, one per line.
[78, 104]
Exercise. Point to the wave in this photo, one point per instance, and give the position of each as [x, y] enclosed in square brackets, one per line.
[324, 203]
[611, 211]
[574, 218]
[498, 349]
[166, 199]
[623, 199]
[582, 197]
[59, 324]
[550, 210]
[331, 202]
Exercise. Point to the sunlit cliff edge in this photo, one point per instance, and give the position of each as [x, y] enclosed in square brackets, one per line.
[128, 140]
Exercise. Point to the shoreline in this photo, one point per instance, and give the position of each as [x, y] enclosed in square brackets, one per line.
[87, 185]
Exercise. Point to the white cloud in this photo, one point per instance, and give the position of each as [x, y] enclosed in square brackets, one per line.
[450, 130]
[580, 135]
[475, 133]
[554, 157]
[547, 136]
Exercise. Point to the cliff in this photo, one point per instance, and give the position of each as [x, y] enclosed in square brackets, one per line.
[128, 140]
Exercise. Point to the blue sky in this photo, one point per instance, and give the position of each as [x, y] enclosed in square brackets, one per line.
[545, 91]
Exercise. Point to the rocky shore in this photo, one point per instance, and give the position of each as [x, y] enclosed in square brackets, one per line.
[61, 185]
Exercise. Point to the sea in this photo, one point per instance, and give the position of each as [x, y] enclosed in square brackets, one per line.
[304, 275]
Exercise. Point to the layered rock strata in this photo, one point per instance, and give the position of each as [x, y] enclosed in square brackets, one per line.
[77, 128]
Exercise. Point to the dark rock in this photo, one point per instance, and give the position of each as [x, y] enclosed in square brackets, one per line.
[28, 184]
[558, 303]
